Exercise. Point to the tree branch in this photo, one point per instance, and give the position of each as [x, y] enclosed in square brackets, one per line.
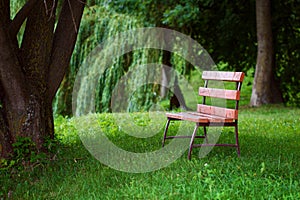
[73, 19]
[11, 76]
[5, 12]
[20, 17]
[64, 42]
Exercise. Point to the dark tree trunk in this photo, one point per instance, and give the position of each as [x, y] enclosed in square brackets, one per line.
[30, 75]
[166, 73]
[5, 137]
[264, 90]
[177, 99]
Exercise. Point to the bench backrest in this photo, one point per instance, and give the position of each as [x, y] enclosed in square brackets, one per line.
[222, 93]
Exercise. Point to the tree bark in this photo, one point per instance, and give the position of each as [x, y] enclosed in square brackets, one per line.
[263, 86]
[31, 74]
[64, 42]
[166, 73]
[5, 138]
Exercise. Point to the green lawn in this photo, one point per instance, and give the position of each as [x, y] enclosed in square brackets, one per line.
[268, 168]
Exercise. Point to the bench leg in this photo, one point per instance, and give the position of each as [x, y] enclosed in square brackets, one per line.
[165, 132]
[192, 141]
[237, 140]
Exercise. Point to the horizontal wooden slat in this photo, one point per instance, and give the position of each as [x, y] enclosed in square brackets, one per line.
[197, 117]
[218, 111]
[219, 93]
[223, 76]
[212, 118]
[186, 116]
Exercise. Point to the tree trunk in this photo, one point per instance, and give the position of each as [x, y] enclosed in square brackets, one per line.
[30, 75]
[5, 137]
[177, 98]
[166, 73]
[264, 90]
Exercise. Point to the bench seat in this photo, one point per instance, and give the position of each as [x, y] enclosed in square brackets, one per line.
[198, 117]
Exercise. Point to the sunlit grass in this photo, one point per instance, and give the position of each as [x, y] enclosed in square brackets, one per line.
[268, 168]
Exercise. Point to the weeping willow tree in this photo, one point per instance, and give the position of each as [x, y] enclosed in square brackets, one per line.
[190, 17]
[99, 24]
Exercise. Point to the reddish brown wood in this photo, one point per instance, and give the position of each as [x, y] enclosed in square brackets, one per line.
[188, 117]
[208, 115]
[223, 76]
[219, 93]
[212, 118]
[198, 117]
[218, 111]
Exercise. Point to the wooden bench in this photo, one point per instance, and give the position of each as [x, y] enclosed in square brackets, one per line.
[210, 115]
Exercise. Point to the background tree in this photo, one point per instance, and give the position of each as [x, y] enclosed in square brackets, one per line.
[264, 90]
[226, 29]
[32, 69]
[261, 92]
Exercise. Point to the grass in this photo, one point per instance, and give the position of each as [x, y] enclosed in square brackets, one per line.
[268, 168]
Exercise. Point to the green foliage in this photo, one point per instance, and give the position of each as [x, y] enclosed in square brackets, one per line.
[226, 29]
[149, 11]
[65, 131]
[220, 25]
[186, 13]
[286, 32]
[215, 25]
[23, 148]
[93, 32]
[26, 156]
[15, 6]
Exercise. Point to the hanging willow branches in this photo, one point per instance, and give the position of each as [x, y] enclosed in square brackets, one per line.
[98, 25]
